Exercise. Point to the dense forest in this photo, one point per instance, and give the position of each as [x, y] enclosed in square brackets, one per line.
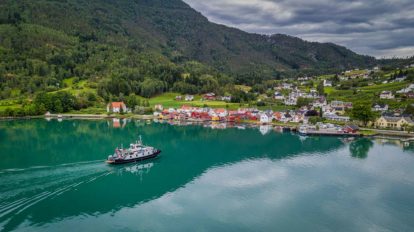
[145, 47]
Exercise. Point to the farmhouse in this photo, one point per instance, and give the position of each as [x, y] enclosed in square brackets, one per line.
[209, 96]
[116, 107]
[278, 96]
[386, 95]
[327, 83]
[351, 129]
[379, 107]
[319, 102]
[189, 97]
[266, 118]
[226, 98]
[158, 107]
[393, 122]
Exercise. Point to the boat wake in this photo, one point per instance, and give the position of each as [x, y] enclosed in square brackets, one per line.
[22, 189]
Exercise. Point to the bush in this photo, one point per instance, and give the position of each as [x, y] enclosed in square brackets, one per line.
[261, 103]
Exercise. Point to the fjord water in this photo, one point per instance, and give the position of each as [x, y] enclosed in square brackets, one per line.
[53, 178]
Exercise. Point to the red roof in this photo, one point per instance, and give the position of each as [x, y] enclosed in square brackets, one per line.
[117, 104]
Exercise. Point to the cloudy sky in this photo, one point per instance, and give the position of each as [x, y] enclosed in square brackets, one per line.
[381, 28]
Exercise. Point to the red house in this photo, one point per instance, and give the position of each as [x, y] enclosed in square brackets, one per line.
[350, 129]
[209, 96]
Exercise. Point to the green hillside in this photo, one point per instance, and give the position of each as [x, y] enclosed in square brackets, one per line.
[43, 42]
[103, 50]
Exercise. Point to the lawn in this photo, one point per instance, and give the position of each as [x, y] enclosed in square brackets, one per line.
[167, 100]
[90, 110]
[329, 90]
[244, 88]
[7, 103]
[76, 88]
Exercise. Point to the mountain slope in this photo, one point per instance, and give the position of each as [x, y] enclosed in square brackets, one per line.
[43, 42]
[181, 33]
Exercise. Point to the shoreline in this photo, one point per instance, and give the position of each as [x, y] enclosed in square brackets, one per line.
[376, 132]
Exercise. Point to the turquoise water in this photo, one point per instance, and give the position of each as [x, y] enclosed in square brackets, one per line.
[53, 178]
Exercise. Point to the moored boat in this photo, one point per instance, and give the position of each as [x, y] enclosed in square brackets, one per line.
[136, 152]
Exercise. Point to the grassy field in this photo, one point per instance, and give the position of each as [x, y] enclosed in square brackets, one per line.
[168, 100]
[323, 77]
[12, 104]
[329, 90]
[76, 88]
[244, 88]
[90, 110]
[368, 94]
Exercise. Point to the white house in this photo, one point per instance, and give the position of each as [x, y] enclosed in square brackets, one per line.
[320, 102]
[335, 117]
[116, 107]
[226, 98]
[189, 97]
[266, 118]
[221, 112]
[287, 86]
[327, 83]
[158, 107]
[379, 107]
[400, 79]
[279, 96]
[386, 95]
[291, 101]
[407, 90]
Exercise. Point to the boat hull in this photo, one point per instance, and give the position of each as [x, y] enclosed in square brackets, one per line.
[120, 161]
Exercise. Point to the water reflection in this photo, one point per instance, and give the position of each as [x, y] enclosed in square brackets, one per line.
[265, 129]
[137, 169]
[360, 148]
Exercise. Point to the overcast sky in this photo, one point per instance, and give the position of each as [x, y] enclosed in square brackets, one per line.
[381, 28]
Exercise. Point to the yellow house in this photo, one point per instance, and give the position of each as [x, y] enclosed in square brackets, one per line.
[215, 118]
[393, 122]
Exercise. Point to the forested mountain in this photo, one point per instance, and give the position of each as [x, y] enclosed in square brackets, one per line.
[144, 47]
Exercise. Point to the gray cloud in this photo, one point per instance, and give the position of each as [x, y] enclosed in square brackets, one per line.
[381, 28]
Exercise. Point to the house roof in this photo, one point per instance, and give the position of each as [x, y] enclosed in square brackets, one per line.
[220, 110]
[117, 104]
[396, 119]
[379, 105]
[185, 107]
[408, 119]
[353, 127]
